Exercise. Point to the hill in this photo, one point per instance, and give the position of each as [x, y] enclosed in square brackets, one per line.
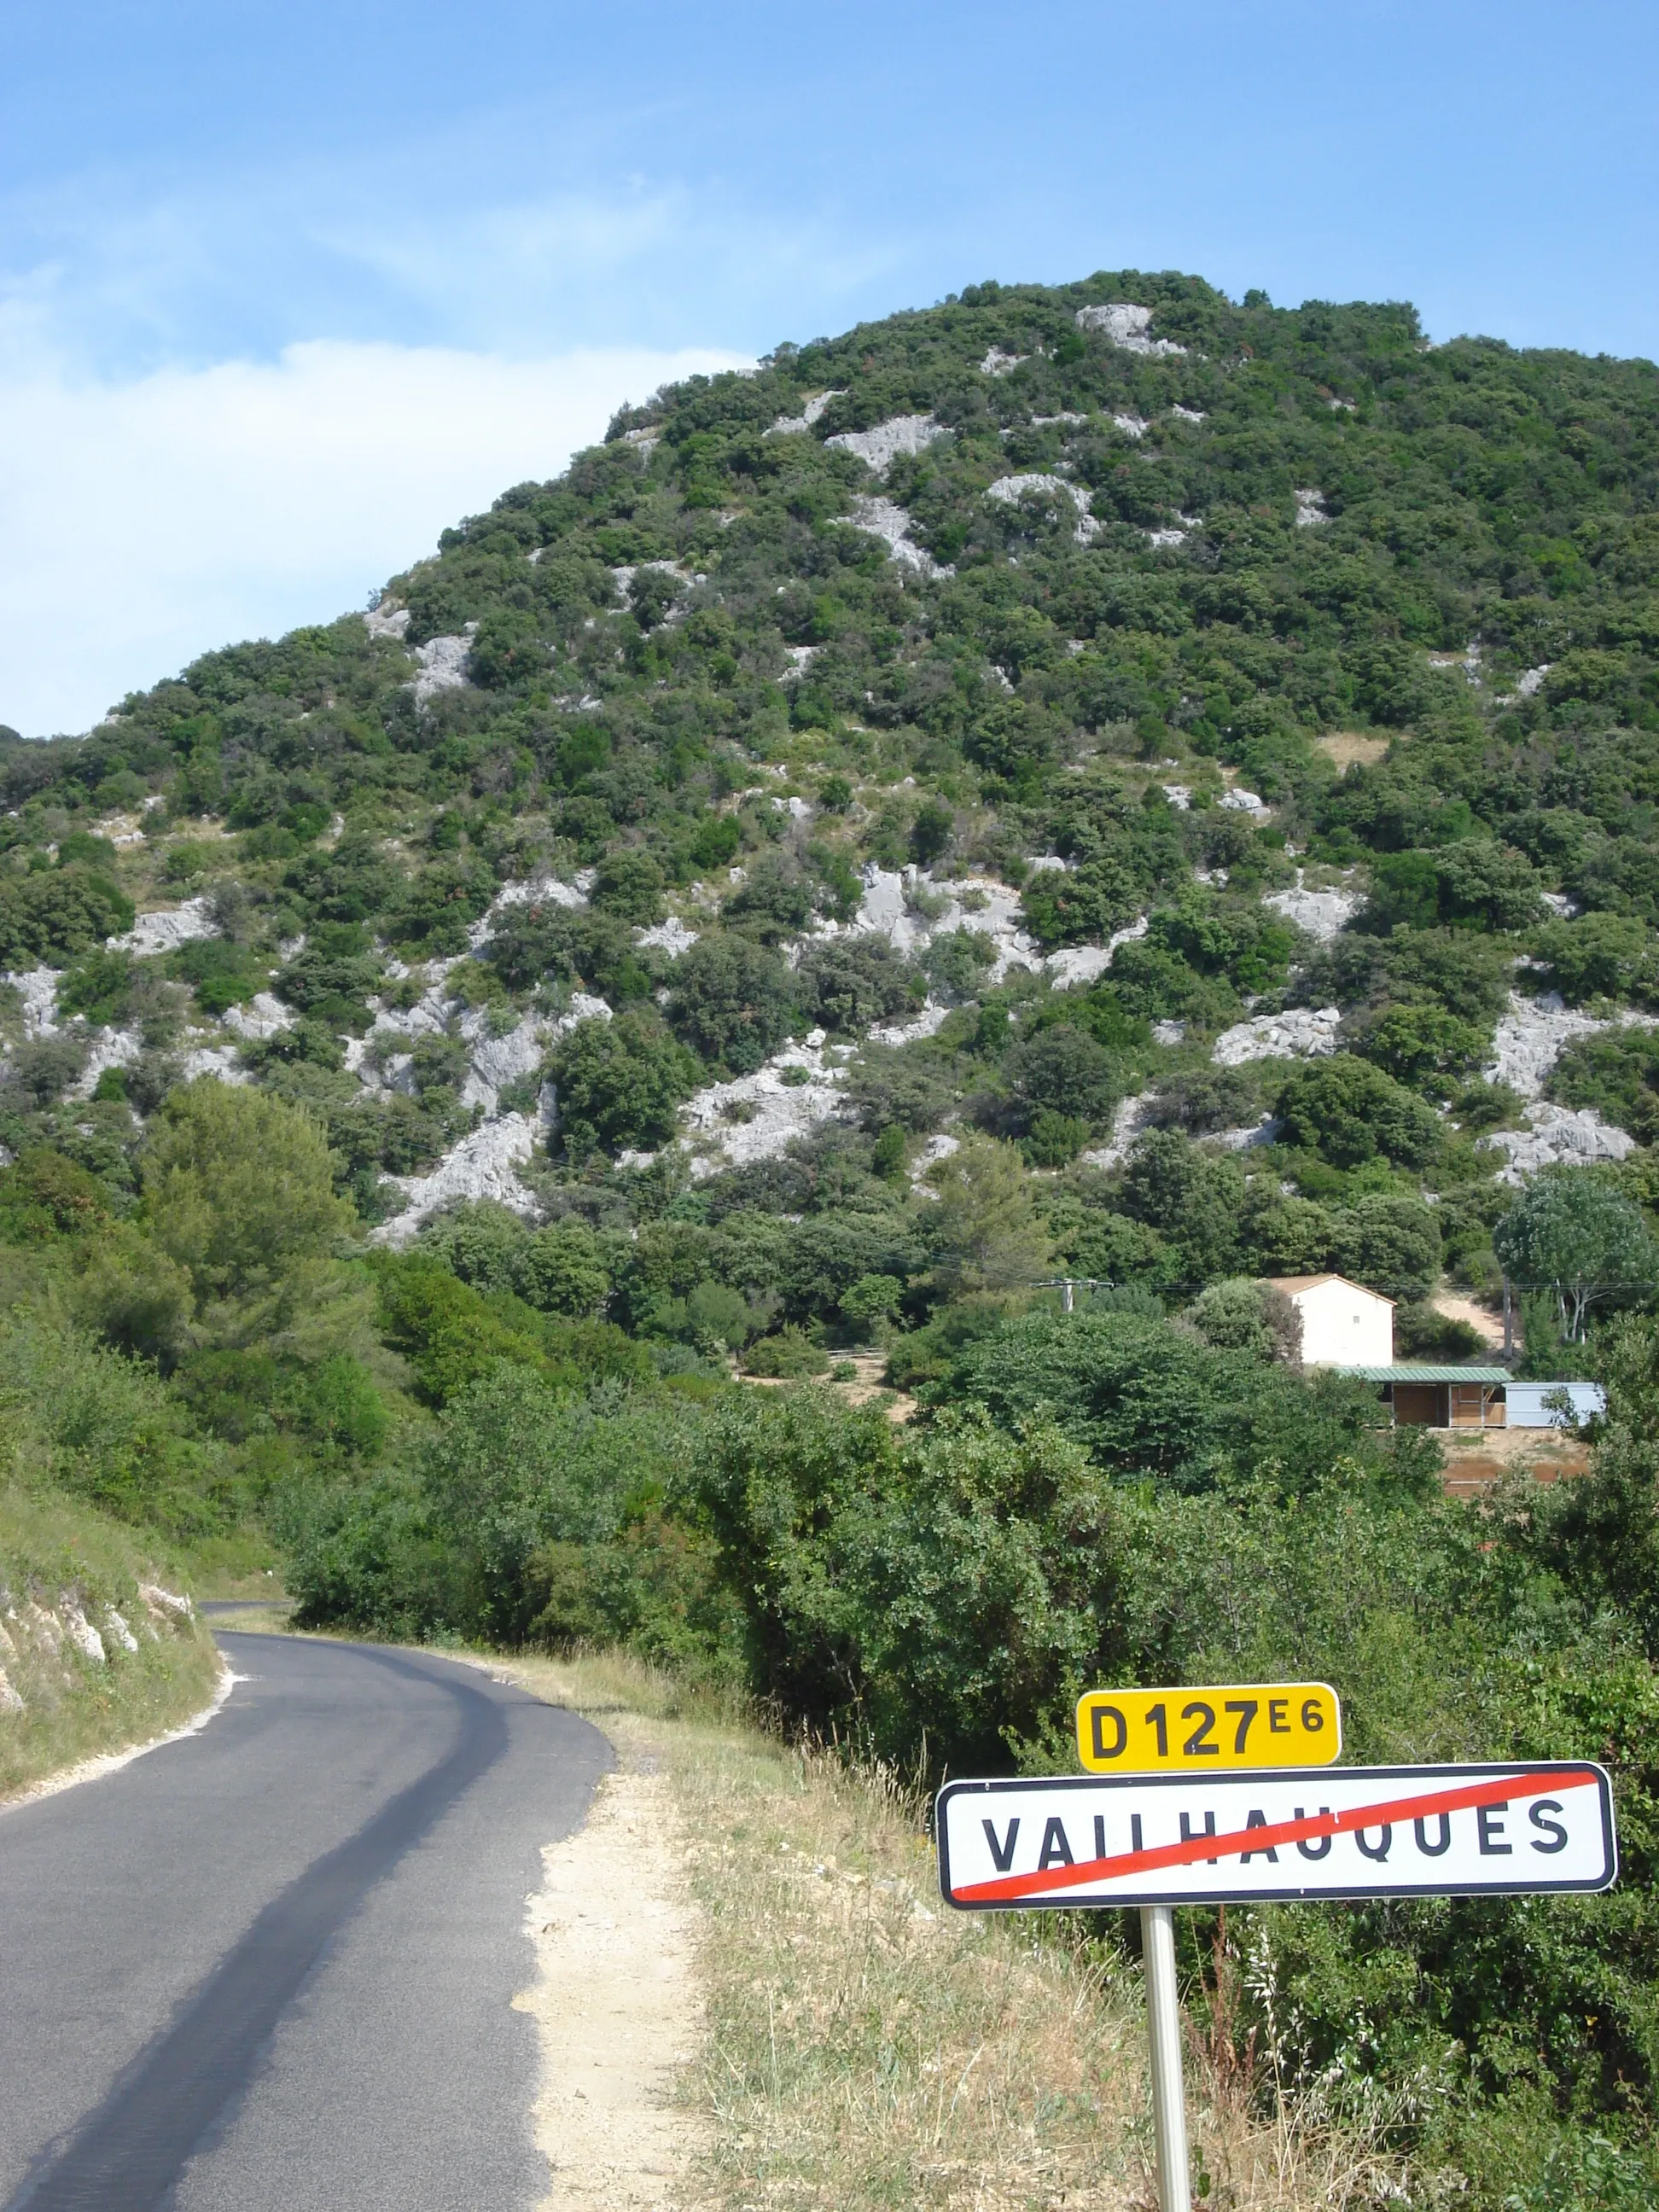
[1096, 780]
[1099, 706]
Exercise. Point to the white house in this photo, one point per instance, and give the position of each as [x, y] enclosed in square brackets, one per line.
[1342, 1324]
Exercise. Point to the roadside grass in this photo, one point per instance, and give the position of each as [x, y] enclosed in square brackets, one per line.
[868, 2048]
[72, 1707]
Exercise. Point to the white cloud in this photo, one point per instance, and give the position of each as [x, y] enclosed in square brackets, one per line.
[146, 521]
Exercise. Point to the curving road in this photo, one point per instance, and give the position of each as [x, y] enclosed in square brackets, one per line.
[270, 1968]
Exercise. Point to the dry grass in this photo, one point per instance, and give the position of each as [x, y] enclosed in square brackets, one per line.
[1346, 747]
[865, 2047]
[863, 1385]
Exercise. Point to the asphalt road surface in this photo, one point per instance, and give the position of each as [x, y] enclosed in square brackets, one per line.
[270, 1968]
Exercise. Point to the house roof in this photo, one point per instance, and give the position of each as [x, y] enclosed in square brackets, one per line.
[1412, 1373]
[1289, 1283]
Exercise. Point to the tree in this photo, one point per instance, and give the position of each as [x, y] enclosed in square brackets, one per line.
[1066, 1071]
[1389, 1243]
[774, 903]
[847, 983]
[1473, 883]
[1572, 1232]
[561, 1270]
[1147, 1399]
[53, 915]
[1238, 1315]
[629, 884]
[1093, 900]
[1192, 1198]
[829, 1253]
[733, 1002]
[1421, 1046]
[955, 963]
[931, 832]
[619, 1083]
[1605, 956]
[557, 1269]
[986, 1233]
[1286, 1235]
[239, 1188]
[1349, 1112]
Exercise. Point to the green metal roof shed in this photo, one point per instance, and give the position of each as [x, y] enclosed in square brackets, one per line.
[1415, 1374]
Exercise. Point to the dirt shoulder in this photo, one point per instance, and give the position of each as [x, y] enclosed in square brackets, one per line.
[619, 2001]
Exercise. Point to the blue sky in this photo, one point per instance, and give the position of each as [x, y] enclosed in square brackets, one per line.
[283, 290]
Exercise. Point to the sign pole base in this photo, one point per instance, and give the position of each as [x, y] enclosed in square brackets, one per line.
[1175, 2188]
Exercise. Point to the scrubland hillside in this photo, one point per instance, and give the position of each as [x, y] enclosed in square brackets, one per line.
[1097, 781]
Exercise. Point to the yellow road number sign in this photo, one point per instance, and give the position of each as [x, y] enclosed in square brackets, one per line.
[1251, 1724]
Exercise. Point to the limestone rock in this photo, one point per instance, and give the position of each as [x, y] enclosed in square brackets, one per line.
[879, 449]
[1556, 1136]
[1529, 1038]
[1010, 490]
[1126, 324]
[161, 931]
[1323, 915]
[1301, 1034]
[885, 519]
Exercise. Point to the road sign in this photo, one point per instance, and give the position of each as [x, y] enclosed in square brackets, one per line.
[1248, 1725]
[1343, 1832]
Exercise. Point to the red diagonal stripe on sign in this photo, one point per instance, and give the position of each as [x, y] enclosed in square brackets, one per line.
[1494, 1790]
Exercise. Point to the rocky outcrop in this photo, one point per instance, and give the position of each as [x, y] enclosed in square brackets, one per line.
[443, 665]
[388, 620]
[1126, 1125]
[484, 1164]
[263, 1016]
[755, 1116]
[880, 447]
[110, 1049]
[1323, 913]
[1530, 1038]
[1126, 326]
[1302, 1034]
[46, 1631]
[885, 518]
[788, 425]
[1557, 1136]
[1034, 483]
[165, 929]
[670, 937]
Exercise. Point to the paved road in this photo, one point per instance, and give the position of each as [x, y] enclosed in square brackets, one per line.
[270, 1968]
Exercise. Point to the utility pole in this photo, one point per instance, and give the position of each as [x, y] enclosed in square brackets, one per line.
[1508, 1324]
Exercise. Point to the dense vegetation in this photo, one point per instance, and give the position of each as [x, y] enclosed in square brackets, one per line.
[810, 880]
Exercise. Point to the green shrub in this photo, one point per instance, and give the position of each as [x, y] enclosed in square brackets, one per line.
[619, 1083]
[53, 917]
[789, 1355]
[733, 1002]
[1348, 1112]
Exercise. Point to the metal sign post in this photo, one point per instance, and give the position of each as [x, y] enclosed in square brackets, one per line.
[1174, 2181]
[1207, 1830]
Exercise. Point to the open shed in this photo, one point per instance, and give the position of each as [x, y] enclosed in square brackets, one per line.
[1426, 1397]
